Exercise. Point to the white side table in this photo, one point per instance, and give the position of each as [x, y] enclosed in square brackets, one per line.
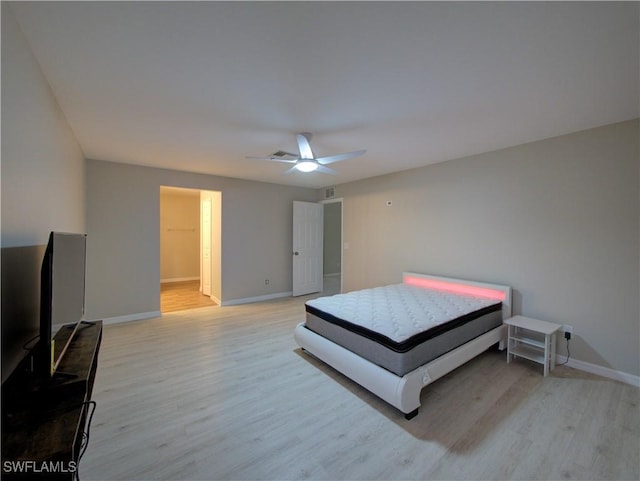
[532, 339]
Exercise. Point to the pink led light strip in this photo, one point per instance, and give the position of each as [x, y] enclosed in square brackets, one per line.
[456, 288]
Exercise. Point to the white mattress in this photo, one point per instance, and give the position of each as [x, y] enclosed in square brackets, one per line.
[399, 311]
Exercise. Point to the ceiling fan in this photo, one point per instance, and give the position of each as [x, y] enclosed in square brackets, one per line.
[306, 161]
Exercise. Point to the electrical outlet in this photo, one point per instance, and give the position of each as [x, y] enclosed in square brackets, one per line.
[266, 282]
[568, 331]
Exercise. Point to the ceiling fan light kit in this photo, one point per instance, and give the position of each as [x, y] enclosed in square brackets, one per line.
[306, 161]
[306, 165]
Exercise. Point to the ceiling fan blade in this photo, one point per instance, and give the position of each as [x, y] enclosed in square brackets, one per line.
[273, 159]
[325, 170]
[303, 145]
[335, 158]
[291, 170]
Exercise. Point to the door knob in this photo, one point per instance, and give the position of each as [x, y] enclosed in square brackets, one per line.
[295, 253]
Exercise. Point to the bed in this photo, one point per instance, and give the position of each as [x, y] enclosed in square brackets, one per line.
[397, 339]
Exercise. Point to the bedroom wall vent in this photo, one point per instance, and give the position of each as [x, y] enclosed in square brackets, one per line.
[282, 153]
[329, 192]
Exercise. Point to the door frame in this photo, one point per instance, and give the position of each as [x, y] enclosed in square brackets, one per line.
[216, 223]
[215, 251]
[341, 201]
[206, 263]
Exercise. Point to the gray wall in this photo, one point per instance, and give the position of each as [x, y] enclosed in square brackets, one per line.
[42, 164]
[558, 220]
[123, 203]
[42, 186]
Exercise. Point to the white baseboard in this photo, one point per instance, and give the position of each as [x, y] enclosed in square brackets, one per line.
[248, 300]
[131, 317]
[600, 371]
[178, 279]
[233, 302]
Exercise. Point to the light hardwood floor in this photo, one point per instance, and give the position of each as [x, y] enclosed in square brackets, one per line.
[225, 394]
[179, 296]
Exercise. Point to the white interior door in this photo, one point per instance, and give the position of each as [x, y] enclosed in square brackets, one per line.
[205, 230]
[307, 247]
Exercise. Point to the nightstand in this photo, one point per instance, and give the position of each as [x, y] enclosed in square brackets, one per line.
[532, 339]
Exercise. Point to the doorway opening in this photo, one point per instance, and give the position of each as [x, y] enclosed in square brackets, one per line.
[190, 238]
[332, 247]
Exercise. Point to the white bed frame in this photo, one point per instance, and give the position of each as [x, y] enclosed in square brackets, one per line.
[404, 392]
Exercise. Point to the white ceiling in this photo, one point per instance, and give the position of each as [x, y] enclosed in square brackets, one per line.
[199, 86]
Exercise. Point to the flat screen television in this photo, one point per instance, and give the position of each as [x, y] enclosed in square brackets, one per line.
[62, 295]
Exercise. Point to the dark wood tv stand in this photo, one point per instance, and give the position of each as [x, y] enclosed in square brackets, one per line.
[43, 421]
